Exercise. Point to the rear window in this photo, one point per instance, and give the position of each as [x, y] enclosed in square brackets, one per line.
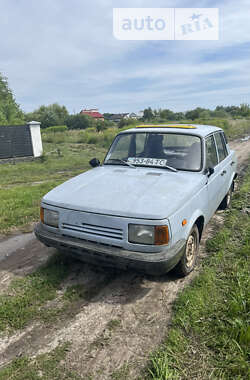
[211, 153]
[221, 146]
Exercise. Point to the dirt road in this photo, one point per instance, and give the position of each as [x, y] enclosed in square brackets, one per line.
[115, 330]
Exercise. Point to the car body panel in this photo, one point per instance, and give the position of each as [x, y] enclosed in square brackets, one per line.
[96, 207]
[125, 191]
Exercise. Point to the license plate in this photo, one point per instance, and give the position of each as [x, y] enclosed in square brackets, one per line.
[147, 161]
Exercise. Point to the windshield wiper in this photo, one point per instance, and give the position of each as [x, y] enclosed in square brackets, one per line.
[121, 161]
[170, 168]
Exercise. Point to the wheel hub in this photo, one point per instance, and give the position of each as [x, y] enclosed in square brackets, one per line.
[190, 250]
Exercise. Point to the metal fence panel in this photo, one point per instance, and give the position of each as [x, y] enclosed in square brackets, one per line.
[15, 141]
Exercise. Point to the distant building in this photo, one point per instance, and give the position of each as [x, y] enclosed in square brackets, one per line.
[133, 116]
[140, 114]
[93, 112]
[117, 117]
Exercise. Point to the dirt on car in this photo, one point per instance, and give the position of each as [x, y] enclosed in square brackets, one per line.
[125, 316]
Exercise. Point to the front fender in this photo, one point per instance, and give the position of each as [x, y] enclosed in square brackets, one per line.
[197, 214]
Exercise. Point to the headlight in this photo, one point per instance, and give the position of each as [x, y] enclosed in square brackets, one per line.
[49, 217]
[153, 235]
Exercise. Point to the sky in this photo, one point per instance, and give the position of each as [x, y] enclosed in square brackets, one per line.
[64, 51]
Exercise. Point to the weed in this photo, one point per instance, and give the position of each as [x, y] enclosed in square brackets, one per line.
[49, 366]
[113, 324]
[122, 373]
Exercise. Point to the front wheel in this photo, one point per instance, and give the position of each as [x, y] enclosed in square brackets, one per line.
[188, 260]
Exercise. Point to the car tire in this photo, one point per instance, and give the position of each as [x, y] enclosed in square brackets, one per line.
[226, 202]
[188, 260]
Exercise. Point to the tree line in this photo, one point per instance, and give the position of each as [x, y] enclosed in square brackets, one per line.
[222, 112]
[55, 114]
[10, 112]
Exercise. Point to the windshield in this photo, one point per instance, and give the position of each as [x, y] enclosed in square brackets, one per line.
[165, 150]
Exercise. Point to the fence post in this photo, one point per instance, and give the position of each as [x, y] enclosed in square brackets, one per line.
[36, 138]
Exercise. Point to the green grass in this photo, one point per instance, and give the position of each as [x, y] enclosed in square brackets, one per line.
[210, 333]
[47, 367]
[20, 205]
[22, 185]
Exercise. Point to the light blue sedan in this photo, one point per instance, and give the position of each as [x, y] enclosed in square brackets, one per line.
[146, 205]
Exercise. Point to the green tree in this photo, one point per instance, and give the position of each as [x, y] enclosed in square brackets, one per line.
[148, 114]
[49, 116]
[179, 116]
[197, 113]
[245, 110]
[10, 112]
[220, 112]
[167, 114]
[101, 125]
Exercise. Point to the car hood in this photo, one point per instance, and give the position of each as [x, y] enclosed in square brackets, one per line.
[138, 193]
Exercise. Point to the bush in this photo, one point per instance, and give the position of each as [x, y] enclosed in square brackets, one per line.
[123, 122]
[56, 128]
[79, 121]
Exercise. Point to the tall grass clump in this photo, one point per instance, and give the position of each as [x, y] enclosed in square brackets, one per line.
[56, 128]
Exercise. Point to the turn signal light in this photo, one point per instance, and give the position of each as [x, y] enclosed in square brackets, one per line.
[42, 214]
[161, 235]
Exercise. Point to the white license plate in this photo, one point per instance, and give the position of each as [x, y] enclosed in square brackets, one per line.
[147, 161]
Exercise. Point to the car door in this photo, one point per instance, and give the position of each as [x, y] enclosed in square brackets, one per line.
[224, 162]
[215, 180]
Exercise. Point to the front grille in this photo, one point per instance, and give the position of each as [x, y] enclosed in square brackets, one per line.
[93, 230]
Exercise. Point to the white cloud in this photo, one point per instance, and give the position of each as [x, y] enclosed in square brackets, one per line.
[64, 51]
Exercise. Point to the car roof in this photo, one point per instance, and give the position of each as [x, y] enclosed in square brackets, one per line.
[193, 129]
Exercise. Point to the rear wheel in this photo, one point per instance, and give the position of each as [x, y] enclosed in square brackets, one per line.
[188, 260]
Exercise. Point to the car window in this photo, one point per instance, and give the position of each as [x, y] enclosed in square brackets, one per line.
[120, 147]
[221, 146]
[211, 154]
[140, 139]
[180, 151]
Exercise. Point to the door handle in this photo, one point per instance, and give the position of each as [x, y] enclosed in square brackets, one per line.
[232, 163]
[224, 172]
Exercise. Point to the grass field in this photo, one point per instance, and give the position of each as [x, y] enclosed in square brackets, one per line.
[210, 333]
[23, 184]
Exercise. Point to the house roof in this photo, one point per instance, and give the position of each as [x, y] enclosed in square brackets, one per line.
[94, 114]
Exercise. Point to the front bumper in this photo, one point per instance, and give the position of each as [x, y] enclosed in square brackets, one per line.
[106, 255]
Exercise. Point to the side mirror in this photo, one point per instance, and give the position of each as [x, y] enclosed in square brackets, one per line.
[94, 162]
[210, 171]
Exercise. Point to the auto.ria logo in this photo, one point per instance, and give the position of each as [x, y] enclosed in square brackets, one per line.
[166, 23]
